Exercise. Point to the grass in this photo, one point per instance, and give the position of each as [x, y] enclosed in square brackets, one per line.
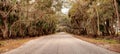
[7, 45]
[109, 44]
[106, 41]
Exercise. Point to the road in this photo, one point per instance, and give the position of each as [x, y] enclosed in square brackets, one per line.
[60, 43]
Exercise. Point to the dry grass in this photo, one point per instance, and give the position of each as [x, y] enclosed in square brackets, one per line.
[6, 45]
[108, 44]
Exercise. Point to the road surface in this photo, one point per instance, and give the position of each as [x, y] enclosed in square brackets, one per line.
[61, 43]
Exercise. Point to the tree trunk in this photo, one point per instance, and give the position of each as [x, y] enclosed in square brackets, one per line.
[94, 27]
[117, 14]
[98, 22]
[5, 29]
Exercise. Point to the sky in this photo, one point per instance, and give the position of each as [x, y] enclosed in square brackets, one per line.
[32, 1]
[66, 6]
[65, 10]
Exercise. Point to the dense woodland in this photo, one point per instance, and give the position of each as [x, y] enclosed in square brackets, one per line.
[25, 18]
[95, 17]
[20, 18]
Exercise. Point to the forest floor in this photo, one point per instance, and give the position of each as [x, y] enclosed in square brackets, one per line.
[7, 45]
[110, 44]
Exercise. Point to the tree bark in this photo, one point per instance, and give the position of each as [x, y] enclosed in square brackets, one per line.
[117, 13]
[98, 22]
[5, 28]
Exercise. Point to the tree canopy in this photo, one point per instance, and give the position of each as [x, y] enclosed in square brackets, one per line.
[21, 18]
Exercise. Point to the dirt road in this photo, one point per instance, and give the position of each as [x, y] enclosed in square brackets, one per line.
[60, 43]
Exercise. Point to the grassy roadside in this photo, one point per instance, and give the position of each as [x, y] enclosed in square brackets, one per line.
[112, 45]
[7, 45]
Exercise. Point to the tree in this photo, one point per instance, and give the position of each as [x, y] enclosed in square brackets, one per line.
[5, 9]
[96, 15]
[18, 17]
[117, 14]
[78, 17]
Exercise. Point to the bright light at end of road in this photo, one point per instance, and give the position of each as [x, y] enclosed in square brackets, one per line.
[32, 1]
[65, 10]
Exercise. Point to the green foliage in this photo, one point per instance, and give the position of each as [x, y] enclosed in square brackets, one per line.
[42, 26]
[28, 19]
[44, 4]
[84, 16]
[40, 17]
[63, 24]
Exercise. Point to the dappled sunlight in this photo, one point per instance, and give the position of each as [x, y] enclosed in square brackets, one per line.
[65, 10]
